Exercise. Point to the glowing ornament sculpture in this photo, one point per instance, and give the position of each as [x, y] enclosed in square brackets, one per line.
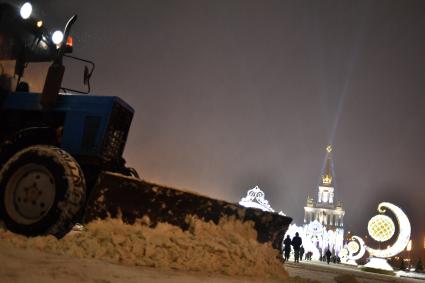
[255, 199]
[381, 228]
[356, 250]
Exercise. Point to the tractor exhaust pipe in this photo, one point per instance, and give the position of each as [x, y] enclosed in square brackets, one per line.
[54, 78]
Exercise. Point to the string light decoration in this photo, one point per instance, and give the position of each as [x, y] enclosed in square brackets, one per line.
[255, 198]
[381, 228]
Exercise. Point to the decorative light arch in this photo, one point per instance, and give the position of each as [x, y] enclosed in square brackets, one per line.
[255, 199]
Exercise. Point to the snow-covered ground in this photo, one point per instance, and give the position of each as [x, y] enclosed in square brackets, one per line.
[30, 266]
[344, 273]
[113, 252]
[227, 249]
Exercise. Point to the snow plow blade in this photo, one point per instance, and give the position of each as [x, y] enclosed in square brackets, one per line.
[129, 198]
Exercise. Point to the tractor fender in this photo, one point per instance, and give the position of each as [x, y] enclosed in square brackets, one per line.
[27, 137]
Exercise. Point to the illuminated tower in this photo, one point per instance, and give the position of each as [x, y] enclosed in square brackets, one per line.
[325, 210]
[326, 189]
[325, 215]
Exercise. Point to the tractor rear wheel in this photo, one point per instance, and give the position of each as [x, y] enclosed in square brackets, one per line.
[42, 189]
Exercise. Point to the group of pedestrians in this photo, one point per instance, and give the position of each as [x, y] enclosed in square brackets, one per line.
[296, 242]
[328, 257]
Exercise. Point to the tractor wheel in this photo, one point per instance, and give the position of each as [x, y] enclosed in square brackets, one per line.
[42, 189]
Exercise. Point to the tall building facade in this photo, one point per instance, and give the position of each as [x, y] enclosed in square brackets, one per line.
[324, 218]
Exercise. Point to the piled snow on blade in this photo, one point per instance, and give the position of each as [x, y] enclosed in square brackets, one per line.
[118, 196]
[229, 248]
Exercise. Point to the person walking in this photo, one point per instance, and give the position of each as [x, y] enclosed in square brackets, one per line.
[308, 255]
[296, 243]
[328, 256]
[301, 253]
[287, 248]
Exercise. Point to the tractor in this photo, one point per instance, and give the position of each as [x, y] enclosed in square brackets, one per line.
[61, 150]
[52, 146]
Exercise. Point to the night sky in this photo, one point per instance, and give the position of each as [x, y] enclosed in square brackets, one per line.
[233, 94]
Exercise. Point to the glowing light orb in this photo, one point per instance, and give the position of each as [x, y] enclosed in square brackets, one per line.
[57, 37]
[381, 228]
[26, 10]
[353, 247]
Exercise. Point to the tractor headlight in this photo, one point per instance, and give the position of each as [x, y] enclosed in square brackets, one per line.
[57, 37]
[26, 10]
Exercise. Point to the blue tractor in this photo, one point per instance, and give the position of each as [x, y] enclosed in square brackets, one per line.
[59, 154]
[52, 146]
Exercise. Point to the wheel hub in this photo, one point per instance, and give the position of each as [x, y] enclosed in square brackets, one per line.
[30, 193]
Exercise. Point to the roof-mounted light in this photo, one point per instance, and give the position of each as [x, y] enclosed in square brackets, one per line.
[26, 10]
[57, 37]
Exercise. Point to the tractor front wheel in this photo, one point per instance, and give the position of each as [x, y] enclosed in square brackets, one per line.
[42, 189]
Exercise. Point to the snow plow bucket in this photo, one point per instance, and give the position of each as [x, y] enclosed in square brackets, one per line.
[129, 198]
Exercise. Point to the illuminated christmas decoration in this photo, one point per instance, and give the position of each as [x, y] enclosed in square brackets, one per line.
[353, 247]
[317, 238]
[380, 229]
[356, 250]
[255, 199]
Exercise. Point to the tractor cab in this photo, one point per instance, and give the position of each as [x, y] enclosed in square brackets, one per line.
[24, 42]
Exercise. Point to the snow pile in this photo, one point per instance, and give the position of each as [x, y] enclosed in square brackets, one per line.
[228, 248]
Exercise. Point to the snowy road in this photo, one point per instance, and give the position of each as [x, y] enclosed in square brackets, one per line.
[27, 266]
[113, 252]
[326, 273]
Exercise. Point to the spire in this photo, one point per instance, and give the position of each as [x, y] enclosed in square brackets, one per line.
[327, 177]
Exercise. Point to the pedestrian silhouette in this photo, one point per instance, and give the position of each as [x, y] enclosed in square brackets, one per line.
[296, 243]
[287, 248]
[328, 256]
[308, 255]
[301, 252]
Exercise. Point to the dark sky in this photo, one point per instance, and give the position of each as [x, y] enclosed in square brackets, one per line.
[232, 94]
